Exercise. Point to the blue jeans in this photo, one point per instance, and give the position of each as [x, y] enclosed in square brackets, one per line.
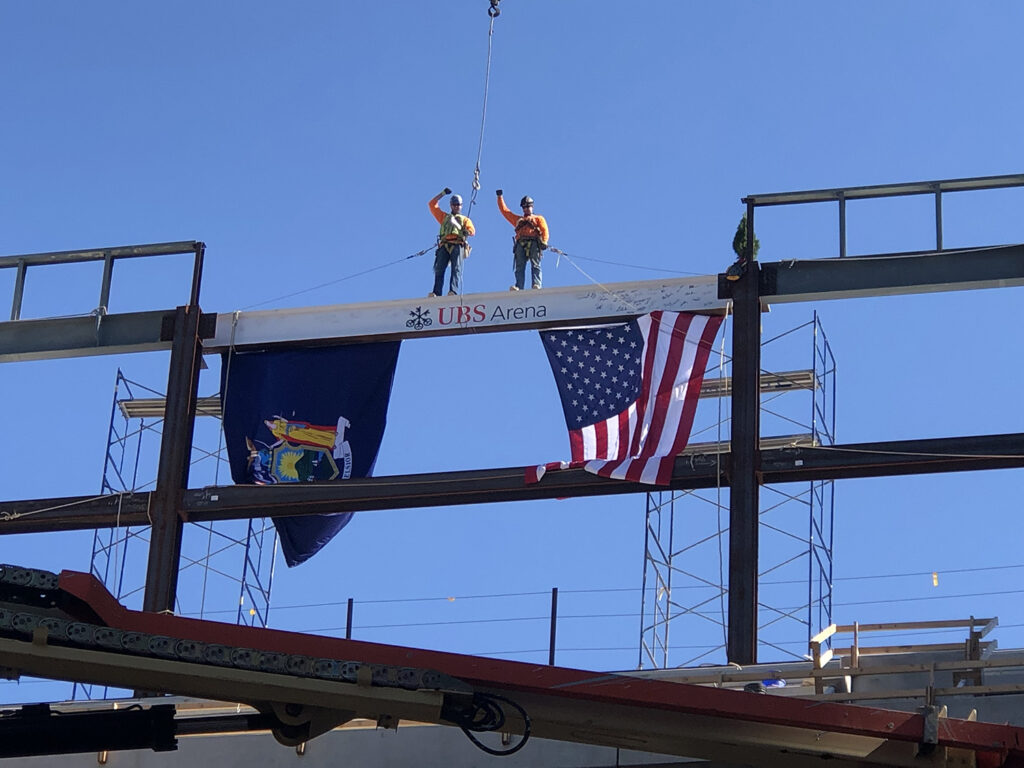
[453, 254]
[527, 251]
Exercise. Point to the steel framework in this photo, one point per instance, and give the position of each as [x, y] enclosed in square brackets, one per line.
[240, 553]
[684, 585]
[746, 468]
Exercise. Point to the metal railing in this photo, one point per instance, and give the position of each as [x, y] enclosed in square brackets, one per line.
[840, 196]
[108, 256]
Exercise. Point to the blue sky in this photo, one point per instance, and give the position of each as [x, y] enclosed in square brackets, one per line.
[302, 142]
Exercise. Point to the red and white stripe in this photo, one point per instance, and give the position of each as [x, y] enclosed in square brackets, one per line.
[641, 442]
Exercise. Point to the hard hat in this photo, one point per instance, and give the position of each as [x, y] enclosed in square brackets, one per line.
[456, 200]
[527, 200]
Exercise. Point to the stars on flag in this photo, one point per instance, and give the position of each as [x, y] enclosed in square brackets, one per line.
[598, 373]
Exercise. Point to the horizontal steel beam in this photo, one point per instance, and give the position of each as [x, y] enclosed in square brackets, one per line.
[75, 513]
[99, 254]
[469, 313]
[887, 190]
[444, 489]
[99, 334]
[783, 282]
[888, 459]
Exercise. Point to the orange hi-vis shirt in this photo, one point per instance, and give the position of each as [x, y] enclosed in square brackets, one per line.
[455, 227]
[532, 226]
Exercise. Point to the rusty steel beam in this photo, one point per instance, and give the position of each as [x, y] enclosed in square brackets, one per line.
[167, 512]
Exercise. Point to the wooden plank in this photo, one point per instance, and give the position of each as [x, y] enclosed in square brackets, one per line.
[875, 650]
[943, 624]
[825, 634]
[936, 666]
[920, 693]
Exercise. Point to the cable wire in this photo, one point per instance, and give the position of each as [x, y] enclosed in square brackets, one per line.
[487, 715]
[340, 279]
[493, 12]
[625, 264]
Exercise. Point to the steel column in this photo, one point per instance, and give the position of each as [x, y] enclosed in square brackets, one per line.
[741, 646]
[197, 273]
[842, 225]
[19, 290]
[167, 508]
[108, 273]
[554, 625]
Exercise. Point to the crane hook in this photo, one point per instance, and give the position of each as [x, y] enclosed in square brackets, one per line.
[494, 11]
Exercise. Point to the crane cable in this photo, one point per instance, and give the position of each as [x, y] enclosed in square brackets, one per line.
[493, 12]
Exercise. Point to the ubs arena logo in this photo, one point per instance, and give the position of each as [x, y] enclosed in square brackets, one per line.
[477, 314]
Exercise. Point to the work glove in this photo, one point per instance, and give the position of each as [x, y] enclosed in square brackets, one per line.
[446, 191]
[498, 192]
[544, 246]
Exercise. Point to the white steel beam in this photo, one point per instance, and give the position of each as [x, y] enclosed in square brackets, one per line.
[469, 313]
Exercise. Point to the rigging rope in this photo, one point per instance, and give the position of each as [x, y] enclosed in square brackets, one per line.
[625, 264]
[341, 279]
[493, 12]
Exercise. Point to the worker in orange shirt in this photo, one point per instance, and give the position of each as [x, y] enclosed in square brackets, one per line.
[452, 247]
[531, 241]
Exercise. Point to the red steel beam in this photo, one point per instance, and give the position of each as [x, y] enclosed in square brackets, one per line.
[994, 744]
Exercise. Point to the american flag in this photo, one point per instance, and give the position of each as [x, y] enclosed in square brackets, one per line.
[629, 392]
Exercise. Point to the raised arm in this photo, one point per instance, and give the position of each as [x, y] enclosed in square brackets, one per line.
[512, 218]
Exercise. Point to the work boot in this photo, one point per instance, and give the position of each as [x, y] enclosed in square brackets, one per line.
[513, 287]
[431, 295]
[452, 293]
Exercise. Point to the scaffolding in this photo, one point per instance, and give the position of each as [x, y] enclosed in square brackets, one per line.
[228, 566]
[685, 585]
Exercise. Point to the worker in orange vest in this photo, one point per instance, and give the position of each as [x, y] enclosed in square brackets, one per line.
[452, 247]
[531, 240]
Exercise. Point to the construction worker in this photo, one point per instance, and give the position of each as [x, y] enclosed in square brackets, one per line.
[452, 247]
[531, 241]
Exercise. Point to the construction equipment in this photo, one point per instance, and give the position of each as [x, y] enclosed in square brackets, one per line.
[68, 627]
